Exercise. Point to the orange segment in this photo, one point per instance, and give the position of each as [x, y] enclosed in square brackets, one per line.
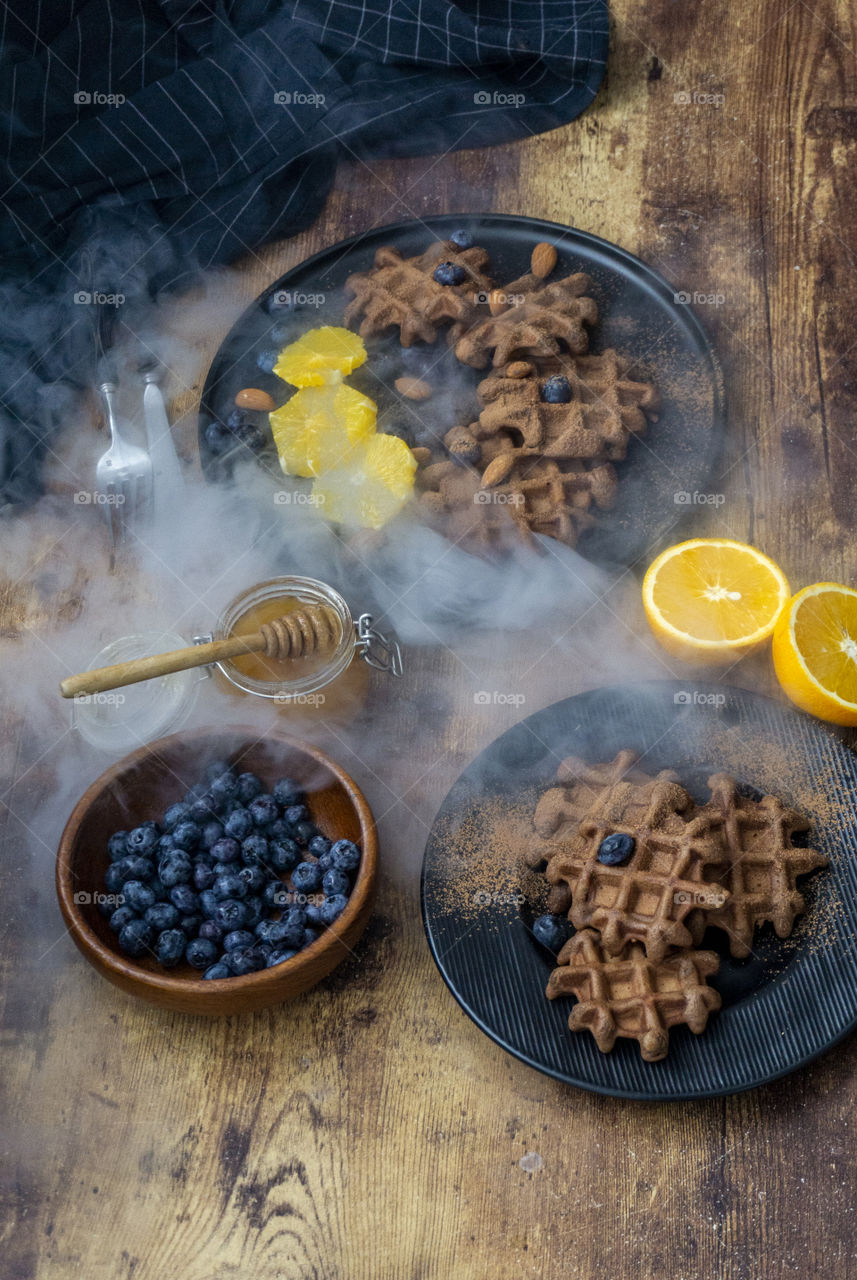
[815, 651]
[372, 487]
[712, 599]
[317, 428]
[326, 354]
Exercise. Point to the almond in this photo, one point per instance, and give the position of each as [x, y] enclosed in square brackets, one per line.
[413, 388]
[519, 369]
[543, 259]
[497, 303]
[422, 455]
[497, 470]
[253, 398]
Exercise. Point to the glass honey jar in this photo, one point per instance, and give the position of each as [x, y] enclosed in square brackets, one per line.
[329, 681]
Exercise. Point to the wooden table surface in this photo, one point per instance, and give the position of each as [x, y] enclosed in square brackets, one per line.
[370, 1131]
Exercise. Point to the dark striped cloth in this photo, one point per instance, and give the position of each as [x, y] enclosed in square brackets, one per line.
[142, 140]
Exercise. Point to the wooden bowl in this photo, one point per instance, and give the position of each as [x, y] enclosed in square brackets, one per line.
[141, 786]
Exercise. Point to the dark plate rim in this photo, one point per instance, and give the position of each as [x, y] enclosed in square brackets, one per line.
[635, 1095]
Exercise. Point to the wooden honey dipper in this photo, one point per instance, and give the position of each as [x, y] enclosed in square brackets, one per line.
[314, 628]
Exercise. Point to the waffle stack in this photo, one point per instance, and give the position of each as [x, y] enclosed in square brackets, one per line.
[634, 964]
[553, 416]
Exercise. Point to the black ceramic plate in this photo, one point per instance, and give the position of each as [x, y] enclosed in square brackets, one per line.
[789, 1001]
[640, 317]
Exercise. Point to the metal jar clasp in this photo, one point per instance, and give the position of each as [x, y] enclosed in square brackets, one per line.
[376, 649]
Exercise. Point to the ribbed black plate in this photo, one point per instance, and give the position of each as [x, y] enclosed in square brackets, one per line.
[640, 316]
[783, 1006]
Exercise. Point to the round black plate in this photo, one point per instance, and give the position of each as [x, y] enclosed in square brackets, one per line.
[640, 317]
[788, 1002]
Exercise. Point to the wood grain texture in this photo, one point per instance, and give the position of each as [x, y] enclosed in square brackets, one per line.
[369, 1131]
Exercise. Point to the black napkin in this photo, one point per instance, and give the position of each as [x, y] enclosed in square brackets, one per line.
[147, 139]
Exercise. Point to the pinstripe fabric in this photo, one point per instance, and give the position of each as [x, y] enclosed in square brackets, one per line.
[174, 134]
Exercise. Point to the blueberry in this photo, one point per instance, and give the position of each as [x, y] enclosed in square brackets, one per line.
[189, 925]
[254, 908]
[251, 437]
[264, 810]
[616, 849]
[114, 876]
[345, 855]
[175, 814]
[218, 437]
[449, 273]
[184, 899]
[334, 882]
[310, 936]
[138, 868]
[211, 834]
[278, 957]
[461, 239]
[159, 889]
[246, 960]
[332, 908]
[231, 913]
[556, 390]
[280, 334]
[142, 840]
[249, 787]
[325, 860]
[165, 845]
[279, 830]
[295, 813]
[203, 876]
[117, 845]
[209, 904]
[216, 769]
[312, 911]
[161, 915]
[238, 938]
[319, 846]
[211, 930]
[196, 792]
[105, 907]
[263, 929]
[135, 938]
[226, 849]
[283, 855]
[138, 895]
[120, 918]
[186, 835]
[254, 878]
[239, 824]
[237, 419]
[305, 831]
[306, 877]
[551, 931]
[229, 886]
[254, 849]
[176, 868]
[170, 947]
[202, 812]
[275, 895]
[223, 789]
[200, 953]
[219, 970]
[287, 792]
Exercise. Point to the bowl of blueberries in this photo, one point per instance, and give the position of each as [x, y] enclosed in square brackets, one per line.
[215, 871]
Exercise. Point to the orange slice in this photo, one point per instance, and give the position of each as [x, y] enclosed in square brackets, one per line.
[319, 426]
[372, 487]
[815, 651]
[711, 600]
[326, 354]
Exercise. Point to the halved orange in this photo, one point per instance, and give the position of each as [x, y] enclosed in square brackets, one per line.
[319, 356]
[815, 651]
[710, 600]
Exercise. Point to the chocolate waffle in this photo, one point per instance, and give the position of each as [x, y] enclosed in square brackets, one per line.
[402, 293]
[542, 320]
[632, 995]
[522, 497]
[656, 895]
[762, 864]
[607, 407]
